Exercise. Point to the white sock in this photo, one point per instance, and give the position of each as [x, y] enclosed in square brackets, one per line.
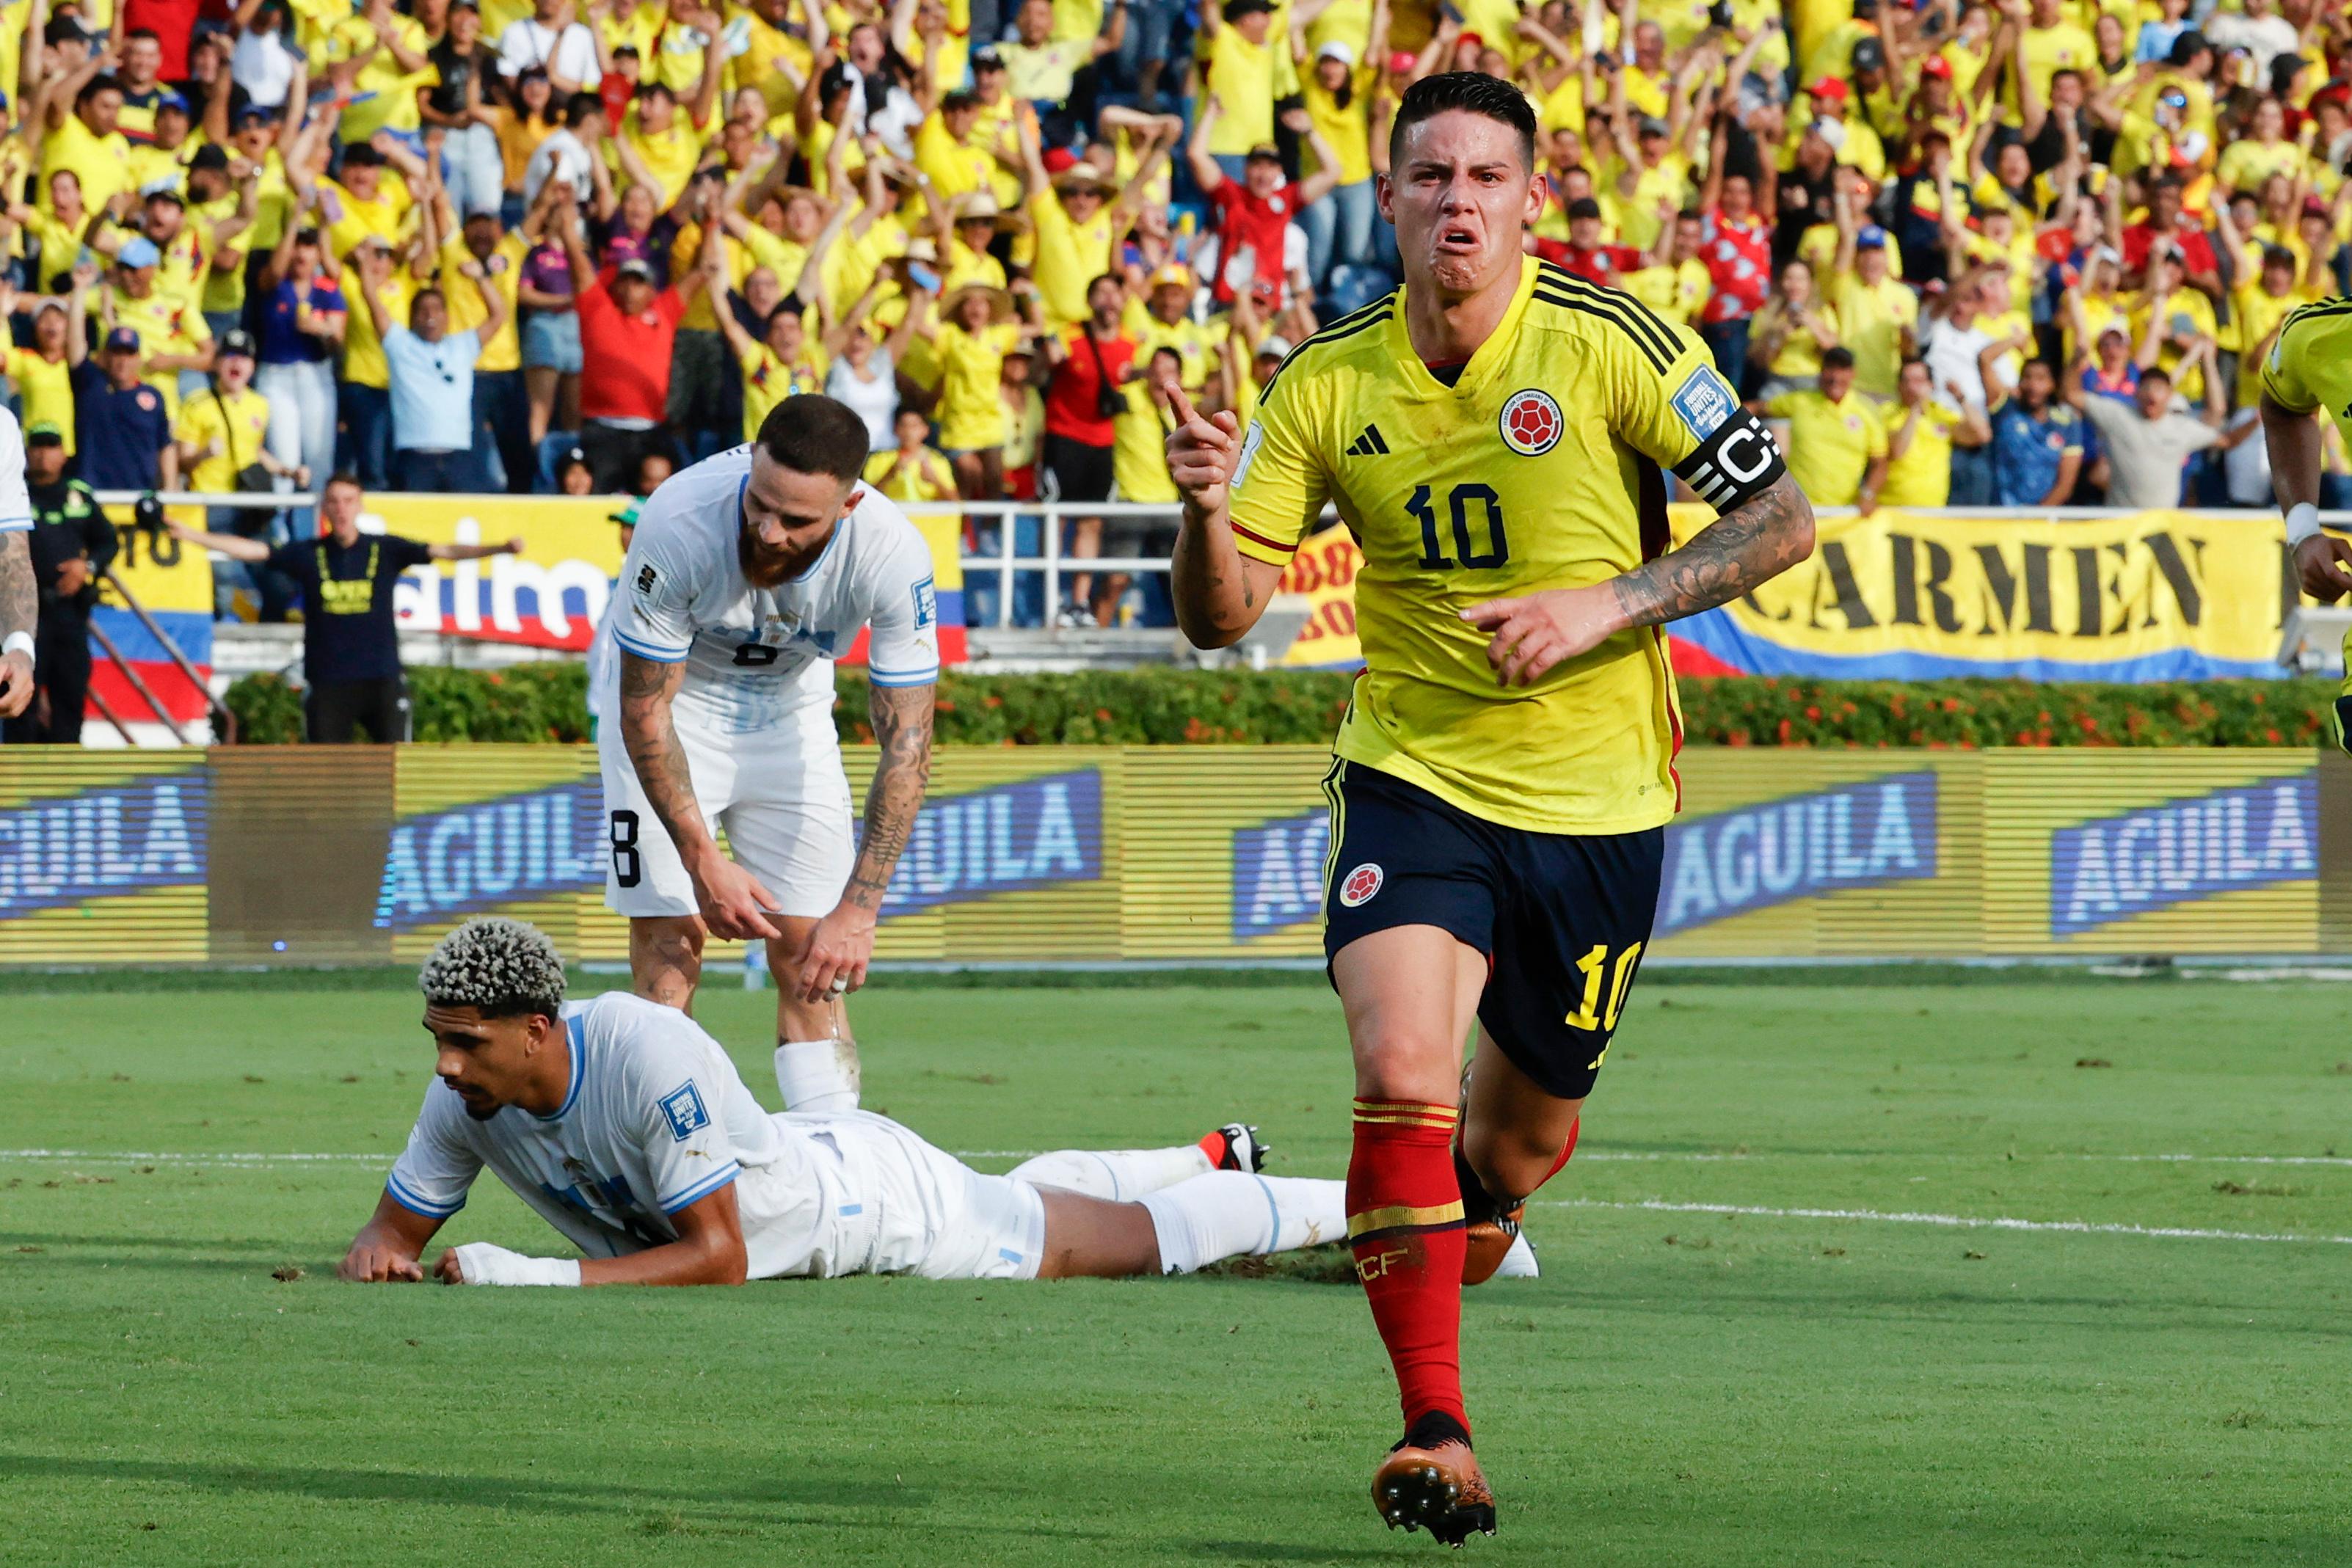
[817, 1075]
[1226, 1213]
[1121, 1176]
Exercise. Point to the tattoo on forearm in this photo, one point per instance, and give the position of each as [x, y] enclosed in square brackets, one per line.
[651, 739]
[20, 600]
[902, 717]
[1747, 546]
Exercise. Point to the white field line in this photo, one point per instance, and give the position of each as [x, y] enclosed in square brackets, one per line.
[385, 1157]
[1953, 1221]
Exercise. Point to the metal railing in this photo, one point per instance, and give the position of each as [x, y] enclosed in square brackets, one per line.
[1006, 564]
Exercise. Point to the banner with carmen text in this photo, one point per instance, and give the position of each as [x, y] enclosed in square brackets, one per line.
[553, 594]
[1210, 854]
[2144, 596]
[2148, 596]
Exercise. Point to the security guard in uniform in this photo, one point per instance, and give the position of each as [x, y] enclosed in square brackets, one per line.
[72, 544]
[350, 645]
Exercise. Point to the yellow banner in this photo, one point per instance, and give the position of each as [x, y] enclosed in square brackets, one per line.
[2144, 596]
[550, 596]
[1323, 570]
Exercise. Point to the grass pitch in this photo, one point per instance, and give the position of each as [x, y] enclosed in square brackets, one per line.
[1763, 1336]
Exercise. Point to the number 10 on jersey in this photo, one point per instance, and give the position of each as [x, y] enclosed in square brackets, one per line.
[1475, 512]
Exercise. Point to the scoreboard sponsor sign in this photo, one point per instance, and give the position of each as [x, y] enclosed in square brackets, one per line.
[362, 854]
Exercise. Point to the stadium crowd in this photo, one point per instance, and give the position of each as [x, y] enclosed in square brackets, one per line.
[2022, 253]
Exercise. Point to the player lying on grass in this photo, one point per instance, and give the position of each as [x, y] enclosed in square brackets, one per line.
[626, 1127]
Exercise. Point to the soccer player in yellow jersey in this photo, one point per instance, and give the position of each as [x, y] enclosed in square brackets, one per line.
[2309, 372]
[1493, 436]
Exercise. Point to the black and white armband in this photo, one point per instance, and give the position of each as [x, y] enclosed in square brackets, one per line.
[1735, 462]
[1736, 458]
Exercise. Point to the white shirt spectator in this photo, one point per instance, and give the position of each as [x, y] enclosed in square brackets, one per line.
[2262, 38]
[560, 155]
[1951, 353]
[570, 54]
[264, 66]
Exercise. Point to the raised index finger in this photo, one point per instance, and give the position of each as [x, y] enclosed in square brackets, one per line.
[1185, 412]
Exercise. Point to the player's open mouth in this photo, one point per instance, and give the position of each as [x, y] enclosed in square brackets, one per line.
[1457, 241]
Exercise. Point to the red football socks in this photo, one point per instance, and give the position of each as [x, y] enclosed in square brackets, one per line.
[1405, 1223]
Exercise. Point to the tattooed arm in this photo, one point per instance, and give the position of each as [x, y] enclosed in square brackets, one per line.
[20, 610]
[732, 902]
[1752, 543]
[842, 943]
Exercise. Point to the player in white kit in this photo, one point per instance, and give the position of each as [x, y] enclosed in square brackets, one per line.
[626, 1127]
[748, 575]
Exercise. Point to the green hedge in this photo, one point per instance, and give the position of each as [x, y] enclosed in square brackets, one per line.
[547, 703]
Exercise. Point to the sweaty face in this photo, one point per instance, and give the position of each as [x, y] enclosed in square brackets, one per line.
[1460, 197]
[788, 518]
[485, 1060]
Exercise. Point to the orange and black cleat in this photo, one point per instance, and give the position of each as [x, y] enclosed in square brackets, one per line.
[1434, 1484]
[1486, 1242]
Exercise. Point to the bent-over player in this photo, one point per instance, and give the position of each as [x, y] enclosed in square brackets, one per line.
[626, 1128]
[748, 575]
[1493, 436]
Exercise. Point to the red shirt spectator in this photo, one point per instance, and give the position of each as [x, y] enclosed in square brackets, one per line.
[1600, 264]
[1254, 221]
[172, 22]
[2196, 252]
[1738, 256]
[626, 356]
[1074, 399]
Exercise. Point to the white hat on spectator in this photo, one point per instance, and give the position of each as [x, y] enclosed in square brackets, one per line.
[1336, 49]
[1275, 344]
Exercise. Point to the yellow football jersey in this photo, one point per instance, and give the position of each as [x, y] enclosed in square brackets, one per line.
[1538, 469]
[2309, 367]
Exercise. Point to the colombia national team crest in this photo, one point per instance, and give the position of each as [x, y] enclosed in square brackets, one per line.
[1531, 424]
[1359, 885]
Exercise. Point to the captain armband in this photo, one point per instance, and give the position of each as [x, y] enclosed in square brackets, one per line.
[1735, 462]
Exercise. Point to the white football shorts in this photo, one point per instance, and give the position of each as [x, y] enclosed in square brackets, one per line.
[778, 792]
[922, 1211]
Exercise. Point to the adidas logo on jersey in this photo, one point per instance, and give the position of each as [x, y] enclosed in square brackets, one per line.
[1370, 444]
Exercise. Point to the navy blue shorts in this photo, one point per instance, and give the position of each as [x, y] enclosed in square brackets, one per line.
[1561, 917]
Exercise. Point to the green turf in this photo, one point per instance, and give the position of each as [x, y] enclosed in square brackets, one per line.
[1680, 1387]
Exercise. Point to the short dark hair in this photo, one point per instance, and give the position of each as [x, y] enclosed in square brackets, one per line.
[1838, 359]
[149, 33]
[2155, 373]
[421, 296]
[1473, 93]
[812, 433]
[342, 476]
[96, 85]
[580, 106]
[956, 102]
